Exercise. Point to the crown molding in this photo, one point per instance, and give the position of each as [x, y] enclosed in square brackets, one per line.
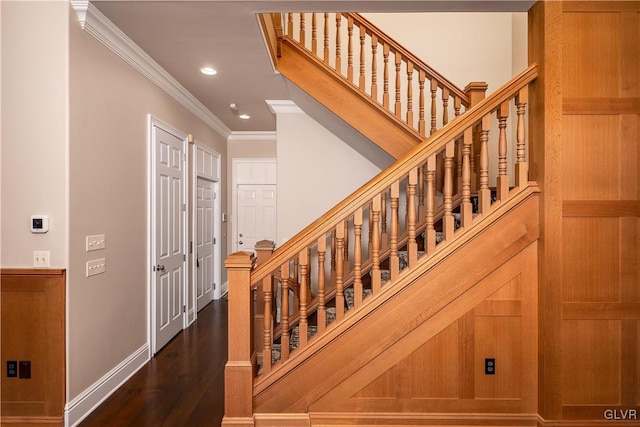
[107, 33]
[283, 106]
[252, 136]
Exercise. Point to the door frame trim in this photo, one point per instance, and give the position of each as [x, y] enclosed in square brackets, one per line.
[151, 241]
[235, 182]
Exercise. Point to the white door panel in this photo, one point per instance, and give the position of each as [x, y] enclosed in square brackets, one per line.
[205, 199]
[256, 215]
[169, 255]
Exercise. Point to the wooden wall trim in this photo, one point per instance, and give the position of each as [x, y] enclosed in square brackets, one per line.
[601, 6]
[601, 208]
[33, 329]
[423, 419]
[585, 106]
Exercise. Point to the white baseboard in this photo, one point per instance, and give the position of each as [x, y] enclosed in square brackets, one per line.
[83, 404]
[224, 289]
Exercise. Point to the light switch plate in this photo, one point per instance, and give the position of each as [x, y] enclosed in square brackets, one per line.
[41, 258]
[96, 242]
[96, 266]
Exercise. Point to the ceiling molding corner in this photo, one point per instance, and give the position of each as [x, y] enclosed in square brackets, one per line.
[283, 106]
[107, 33]
[252, 136]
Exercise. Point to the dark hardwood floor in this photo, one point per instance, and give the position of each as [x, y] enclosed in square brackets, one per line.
[182, 385]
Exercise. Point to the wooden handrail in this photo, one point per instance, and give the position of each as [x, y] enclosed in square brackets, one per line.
[396, 171]
[395, 46]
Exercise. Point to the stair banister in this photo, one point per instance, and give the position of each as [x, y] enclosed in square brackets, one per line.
[384, 179]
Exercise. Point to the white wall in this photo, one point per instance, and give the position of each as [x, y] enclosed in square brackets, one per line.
[35, 117]
[316, 170]
[463, 47]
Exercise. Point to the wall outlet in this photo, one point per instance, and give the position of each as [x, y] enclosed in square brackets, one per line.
[24, 369]
[41, 258]
[490, 366]
[97, 266]
[96, 242]
[12, 368]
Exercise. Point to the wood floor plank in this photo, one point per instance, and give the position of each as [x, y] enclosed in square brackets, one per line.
[182, 385]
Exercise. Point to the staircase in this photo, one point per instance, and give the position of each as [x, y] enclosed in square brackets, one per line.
[405, 270]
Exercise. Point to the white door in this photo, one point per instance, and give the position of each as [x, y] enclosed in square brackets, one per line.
[205, 198]
[168, 253]
[256, 215]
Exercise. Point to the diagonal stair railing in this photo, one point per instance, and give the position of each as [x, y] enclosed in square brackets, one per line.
[373, 67]
[365, 244]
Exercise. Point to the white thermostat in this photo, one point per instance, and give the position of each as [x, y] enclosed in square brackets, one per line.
[39, 223]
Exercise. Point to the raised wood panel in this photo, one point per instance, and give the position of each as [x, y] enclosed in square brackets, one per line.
[591, 254]
[591, 356]
[591, 41]
[630, 146]
[591, 158]
[33, 329]
[499, 338]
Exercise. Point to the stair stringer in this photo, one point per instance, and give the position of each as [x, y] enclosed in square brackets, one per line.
[506, 298]
[400, 313]
[339, 96]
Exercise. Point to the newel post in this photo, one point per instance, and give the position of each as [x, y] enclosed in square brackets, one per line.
[476, 91]
[240, 367]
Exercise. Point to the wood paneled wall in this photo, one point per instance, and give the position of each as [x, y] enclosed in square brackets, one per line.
[33, 329]
[586, 157]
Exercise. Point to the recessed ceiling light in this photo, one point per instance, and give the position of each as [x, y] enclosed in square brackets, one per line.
[244, 116]
[208, 71]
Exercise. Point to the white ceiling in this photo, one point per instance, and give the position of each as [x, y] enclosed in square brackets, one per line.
[183, 36]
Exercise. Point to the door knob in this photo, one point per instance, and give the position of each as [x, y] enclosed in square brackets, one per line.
[160, 267]
[240, 242]
[240, 234]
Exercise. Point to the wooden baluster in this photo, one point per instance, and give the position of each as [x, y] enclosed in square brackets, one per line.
[369, 252]
[322, 312]
[284, 311]
[484, 194]
[466, 209]
[385, 90]
[410, 94]
[339, 272]
[502, 185]
[308, 273]
[398, 106]
[338, 44]
[394, 261]
[472, 160]
[333, 257]
[430, 231]
[303, 26]
[374, 67]
[457, 103]
[290, 24]
[357, 257]
[445, 106]
[448, 222]
[326, 38]
[434, 88]
[458, 166]
[296, 285]
[303, 325]
[314, 34]
[268, 325]
[384, 237]
[522, 167]
[350, 49]
[421, 205]
[421, 123]
[346, 266]
[412, 245]
[361, 80]
[376, 282]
